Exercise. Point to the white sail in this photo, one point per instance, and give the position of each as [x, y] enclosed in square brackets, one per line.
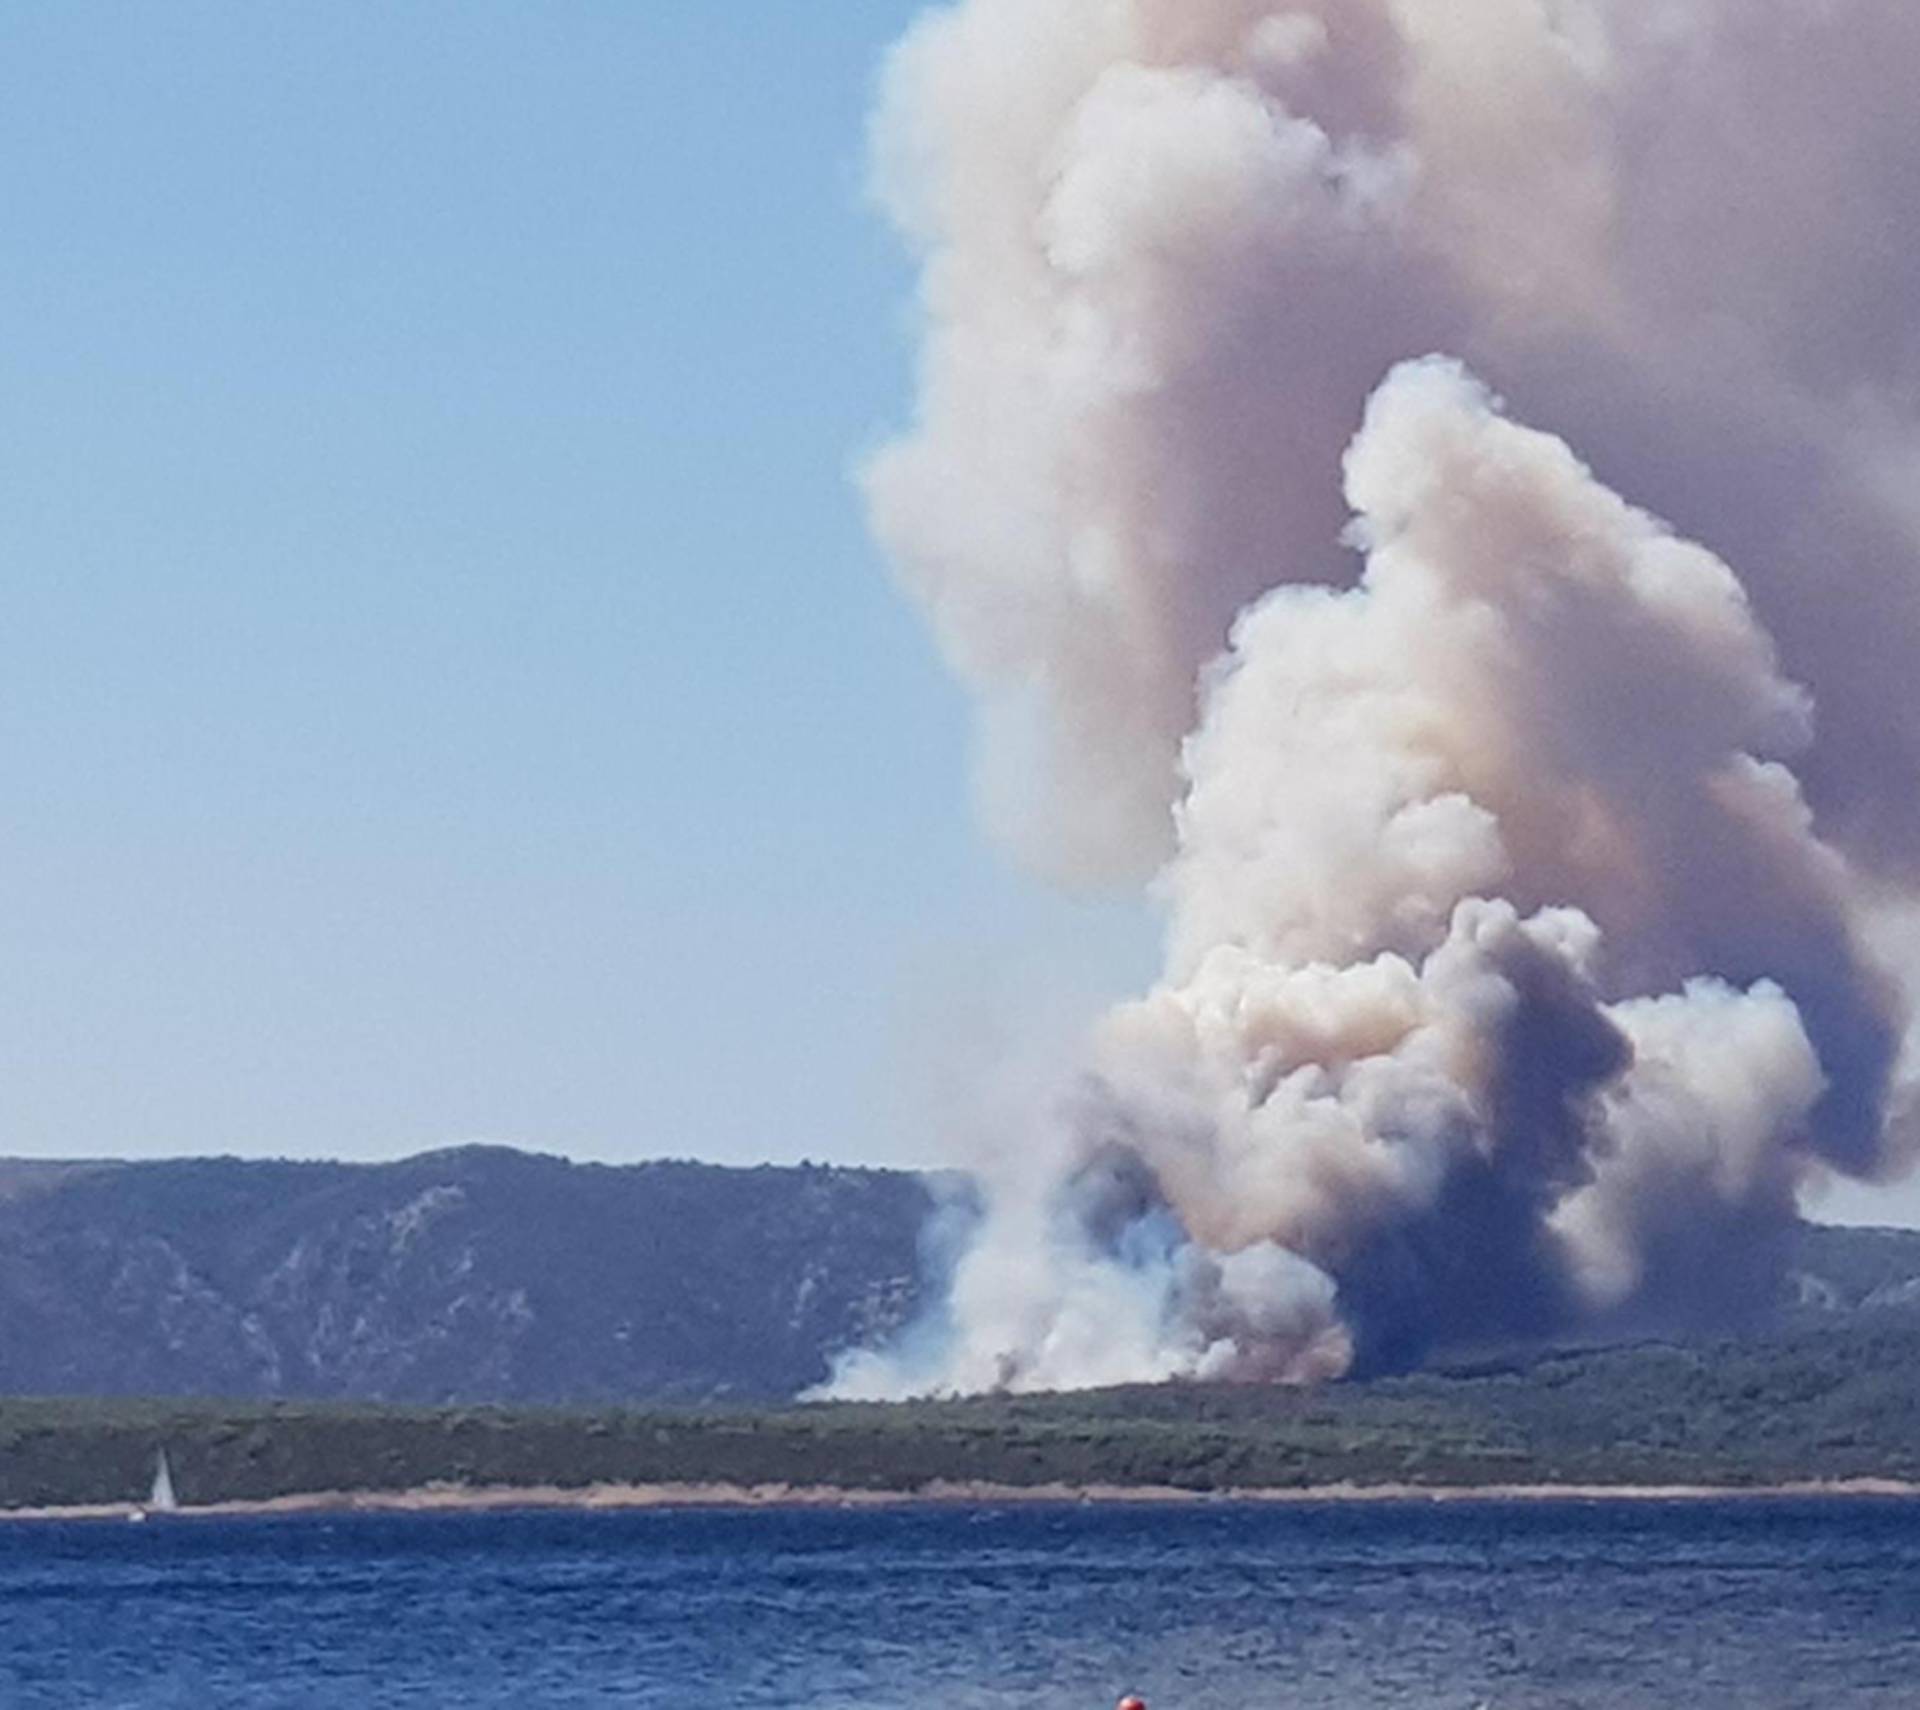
[163, 1500]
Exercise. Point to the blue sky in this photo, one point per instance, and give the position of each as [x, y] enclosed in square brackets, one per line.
[446, 691]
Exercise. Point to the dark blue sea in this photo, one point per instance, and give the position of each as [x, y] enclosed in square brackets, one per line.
[1722, 1606]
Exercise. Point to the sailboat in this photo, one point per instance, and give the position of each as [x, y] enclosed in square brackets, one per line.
[161, 1500]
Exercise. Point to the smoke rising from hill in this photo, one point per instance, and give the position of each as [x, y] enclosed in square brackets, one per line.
[1525, 862]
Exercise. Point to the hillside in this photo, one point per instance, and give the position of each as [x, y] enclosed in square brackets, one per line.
[487, 1275]
[477, 1274]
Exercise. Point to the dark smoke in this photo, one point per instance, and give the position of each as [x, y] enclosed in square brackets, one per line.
[1533, 866]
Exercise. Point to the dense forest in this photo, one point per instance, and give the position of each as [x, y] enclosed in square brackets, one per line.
[1814, 1403]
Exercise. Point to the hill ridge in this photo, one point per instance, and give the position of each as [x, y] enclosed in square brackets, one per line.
[482, 1273]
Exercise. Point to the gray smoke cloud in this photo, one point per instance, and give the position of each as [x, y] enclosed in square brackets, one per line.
[1529, 862]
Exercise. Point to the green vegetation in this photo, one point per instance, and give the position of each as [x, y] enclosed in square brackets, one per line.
[476, 1275]
[1829, 1404]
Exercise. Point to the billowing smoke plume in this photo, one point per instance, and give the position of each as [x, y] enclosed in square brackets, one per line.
[1525, 862]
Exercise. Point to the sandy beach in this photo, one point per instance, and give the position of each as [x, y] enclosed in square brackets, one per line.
[472, 1499]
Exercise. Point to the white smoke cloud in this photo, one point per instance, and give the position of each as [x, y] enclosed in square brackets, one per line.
[1521, 954]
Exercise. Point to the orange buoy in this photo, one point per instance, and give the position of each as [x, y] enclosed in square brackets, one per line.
[1130, 1702]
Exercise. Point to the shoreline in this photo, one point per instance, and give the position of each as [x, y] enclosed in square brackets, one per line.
[630, 1498]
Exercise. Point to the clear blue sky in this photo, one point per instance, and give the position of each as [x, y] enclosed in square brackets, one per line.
[445, 688]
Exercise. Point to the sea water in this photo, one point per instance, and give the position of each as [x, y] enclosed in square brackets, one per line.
[1754, 1605]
